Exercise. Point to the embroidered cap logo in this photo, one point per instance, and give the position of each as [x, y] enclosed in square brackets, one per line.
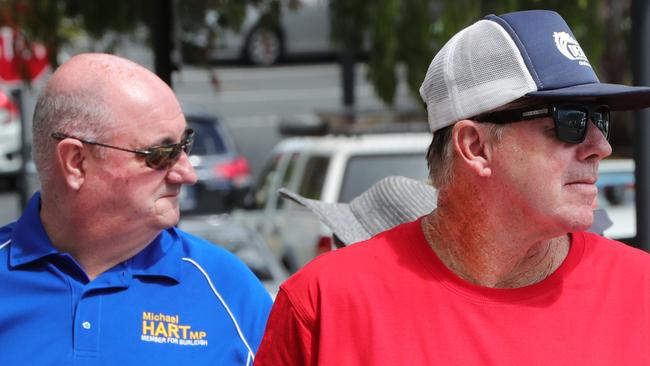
[570, 48]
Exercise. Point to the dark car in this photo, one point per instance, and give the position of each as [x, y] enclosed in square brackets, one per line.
[223, 174]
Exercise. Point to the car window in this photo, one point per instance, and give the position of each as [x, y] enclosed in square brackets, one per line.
[207, 140]
[286, 177]
[314, 177]
[362, 171]
[266, 181]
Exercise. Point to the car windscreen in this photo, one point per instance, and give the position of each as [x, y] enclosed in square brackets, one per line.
[207, 140]
[314, 177]
[362, 171]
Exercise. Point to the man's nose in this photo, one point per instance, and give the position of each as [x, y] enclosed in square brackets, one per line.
[182, 172]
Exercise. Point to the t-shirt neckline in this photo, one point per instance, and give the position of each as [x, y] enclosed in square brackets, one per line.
[425, 254]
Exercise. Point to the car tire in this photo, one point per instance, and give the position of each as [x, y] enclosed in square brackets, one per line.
[263, 46]
[615, 194]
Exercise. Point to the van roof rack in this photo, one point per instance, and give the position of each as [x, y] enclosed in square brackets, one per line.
[354, 122]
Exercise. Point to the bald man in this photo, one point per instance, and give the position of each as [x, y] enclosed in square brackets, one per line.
[94, 271]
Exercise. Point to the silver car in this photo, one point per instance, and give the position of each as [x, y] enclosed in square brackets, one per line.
[303, 30]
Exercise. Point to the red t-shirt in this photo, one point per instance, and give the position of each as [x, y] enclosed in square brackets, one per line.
[391, 301]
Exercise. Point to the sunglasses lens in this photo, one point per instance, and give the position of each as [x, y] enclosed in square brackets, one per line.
[601, 120]
[160, 157]
[571, 124]
[188, 141]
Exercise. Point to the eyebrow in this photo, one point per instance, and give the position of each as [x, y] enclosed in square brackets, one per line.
[166, 141]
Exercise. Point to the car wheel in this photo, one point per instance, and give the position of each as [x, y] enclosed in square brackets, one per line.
[263, 47]
[615, 194]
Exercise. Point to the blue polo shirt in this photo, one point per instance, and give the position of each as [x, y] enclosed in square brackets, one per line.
[180, 301]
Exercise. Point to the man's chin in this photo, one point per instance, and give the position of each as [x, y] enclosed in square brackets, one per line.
[580, 222]
[166, 224]
[168, 218]
[574, 219]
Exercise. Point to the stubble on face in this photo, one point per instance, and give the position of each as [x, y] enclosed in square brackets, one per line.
[543, 179]
[167, 210]
[126, 188]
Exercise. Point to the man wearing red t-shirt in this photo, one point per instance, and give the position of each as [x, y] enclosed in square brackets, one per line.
[501, 272]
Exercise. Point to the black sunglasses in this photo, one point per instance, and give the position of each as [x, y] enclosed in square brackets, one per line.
[157, 157]
[571, 120]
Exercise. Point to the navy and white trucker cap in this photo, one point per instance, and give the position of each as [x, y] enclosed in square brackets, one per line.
[502, 58]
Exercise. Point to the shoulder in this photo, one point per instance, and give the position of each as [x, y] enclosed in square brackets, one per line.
[363, 255]
[217, 266]
[229, 282]
[367, 262]
[5, 239]
[208, 253]
[596, 242]
[359, 274]
[614, 253]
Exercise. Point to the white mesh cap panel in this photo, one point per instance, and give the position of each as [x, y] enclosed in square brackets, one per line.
[479, 69]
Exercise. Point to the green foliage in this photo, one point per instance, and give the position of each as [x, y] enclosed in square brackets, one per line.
[57, 22]
[384, 48]
[454, 16]
[232, 14]
[97, 17]
[585, 17]
[414, 44]
[206, 19]
[349, 20]
[395, 32]
[409, 32]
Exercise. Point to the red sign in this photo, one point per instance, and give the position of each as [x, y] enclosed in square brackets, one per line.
[19, 62]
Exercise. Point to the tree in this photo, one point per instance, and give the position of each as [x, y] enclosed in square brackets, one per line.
[395, 31]
[587, 18]
[409, 32]
[57, 22]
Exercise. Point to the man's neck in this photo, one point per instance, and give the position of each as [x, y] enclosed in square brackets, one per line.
[94, 247]
[489, 256]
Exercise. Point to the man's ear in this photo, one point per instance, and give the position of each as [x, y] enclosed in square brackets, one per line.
[470, 142]
[70, 155]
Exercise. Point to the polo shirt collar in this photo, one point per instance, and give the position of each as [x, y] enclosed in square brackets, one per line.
[161, 258]
[29, 241]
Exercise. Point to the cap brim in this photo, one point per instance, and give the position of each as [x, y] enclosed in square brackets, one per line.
[336, 216]
[618, 97]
